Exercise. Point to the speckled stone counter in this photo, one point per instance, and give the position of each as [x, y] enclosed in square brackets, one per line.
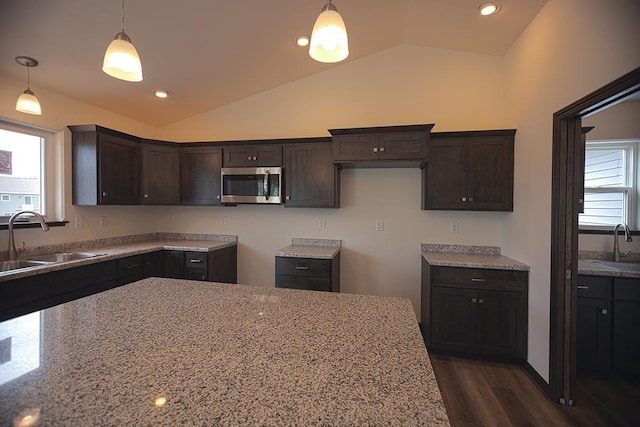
[178, 352]
[311, 248]
[108, 249]
[487, 257]
[609, 269]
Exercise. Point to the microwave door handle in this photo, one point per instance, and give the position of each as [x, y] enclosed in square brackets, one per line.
[266, 184]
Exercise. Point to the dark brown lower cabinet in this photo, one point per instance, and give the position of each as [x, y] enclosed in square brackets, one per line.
[130, 269]
[217, 266]
[308, 273]
[608, 325]
[22, 296]
[475, 312]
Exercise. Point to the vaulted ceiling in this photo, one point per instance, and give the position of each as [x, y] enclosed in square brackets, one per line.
[208, 53]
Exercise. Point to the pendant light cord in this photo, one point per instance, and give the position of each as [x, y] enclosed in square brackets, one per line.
[123, 16]
[28, 79]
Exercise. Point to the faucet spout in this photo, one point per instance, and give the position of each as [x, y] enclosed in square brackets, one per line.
[616, 244]
[12, 243]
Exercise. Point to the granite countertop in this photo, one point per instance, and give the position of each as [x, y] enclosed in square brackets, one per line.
[487, 257]
[108, 249]
[608, 268]
[180, 352]
[311, 248]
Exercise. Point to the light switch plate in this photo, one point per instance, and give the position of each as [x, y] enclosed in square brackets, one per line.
[322, 224]
[103, 221]
[379, 225]
[453, 227]
[79, 222]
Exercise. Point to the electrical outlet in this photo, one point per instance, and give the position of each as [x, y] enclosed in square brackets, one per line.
[453, 227]
[170, 219]
[79, 222]
[379, 225]
[103, 221]
[322, 224]
[223, 220]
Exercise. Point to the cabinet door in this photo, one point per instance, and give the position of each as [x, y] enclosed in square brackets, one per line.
[499, 315]
[200, 184]
[453, 325]
[490, 174]
[593, 335]
[119, 171]
[173, 264]
[311, 178]
[402, 146]
[445, 186]
[152, 264]
[626, 336]
[238, 156]
[160, 174]
[355, 147]
[268, 155]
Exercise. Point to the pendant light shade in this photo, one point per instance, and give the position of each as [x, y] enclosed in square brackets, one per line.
[121, 60]
[329, 41]
[27, 102]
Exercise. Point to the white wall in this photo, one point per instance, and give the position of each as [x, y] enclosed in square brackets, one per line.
[571, 48]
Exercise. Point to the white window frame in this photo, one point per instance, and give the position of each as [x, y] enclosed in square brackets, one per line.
[630, 191]
[5, 197]
[52, 155]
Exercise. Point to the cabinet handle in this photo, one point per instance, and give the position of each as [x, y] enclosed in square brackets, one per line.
[464, 199]
[604, 311]
[481, 301]
[218, 197]
[583, 287]
[104, 194]
[288, 197]
[132, 266]
[301, 267]
[471, 199]
[382, 149]
[255, 158]
[249, 158]
[476, 279]
[146, 195]
[474, 300]
[195, 261]
[375, 149]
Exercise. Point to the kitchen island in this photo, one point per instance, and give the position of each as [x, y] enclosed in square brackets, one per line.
[180, 352]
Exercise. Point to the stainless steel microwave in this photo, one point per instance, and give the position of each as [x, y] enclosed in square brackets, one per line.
[251, 185]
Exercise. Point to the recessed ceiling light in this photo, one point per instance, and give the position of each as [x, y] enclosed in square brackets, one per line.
[302, 40]
[161, 93]
[489, 8]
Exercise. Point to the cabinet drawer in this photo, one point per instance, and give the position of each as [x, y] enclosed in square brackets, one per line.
[303, 267]
[627, 289]
[196, 260]
[477, 278]
[303, 282]
[593, 287]
[195, 274]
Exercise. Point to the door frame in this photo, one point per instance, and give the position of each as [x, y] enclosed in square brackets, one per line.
[567, 178]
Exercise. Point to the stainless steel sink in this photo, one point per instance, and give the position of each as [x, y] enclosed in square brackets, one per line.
[62, 257]
[617, 265]
[17, 264]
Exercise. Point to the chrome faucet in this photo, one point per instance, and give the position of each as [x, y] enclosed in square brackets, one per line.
[616, 245]
[12, 243]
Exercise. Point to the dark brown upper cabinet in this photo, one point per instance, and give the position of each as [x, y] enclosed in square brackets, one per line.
[469, 171]
[160, 173]
[252, 155]
[106, 166]
[201, 166]
[311, 178]
[387, 143]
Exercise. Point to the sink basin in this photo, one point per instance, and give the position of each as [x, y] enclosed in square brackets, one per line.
[18, 264]
[621, 266]
[62, 257]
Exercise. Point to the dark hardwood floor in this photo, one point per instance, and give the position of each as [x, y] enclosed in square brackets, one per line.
[479, 393]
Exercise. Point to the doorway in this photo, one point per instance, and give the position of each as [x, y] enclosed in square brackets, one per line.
[568, 179]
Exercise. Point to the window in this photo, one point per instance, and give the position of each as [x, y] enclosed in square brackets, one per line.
[610, 182]
[31, 172]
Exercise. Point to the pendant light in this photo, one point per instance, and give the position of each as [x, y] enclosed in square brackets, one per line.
[329, 37]
[121, 60]
[27, 102]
